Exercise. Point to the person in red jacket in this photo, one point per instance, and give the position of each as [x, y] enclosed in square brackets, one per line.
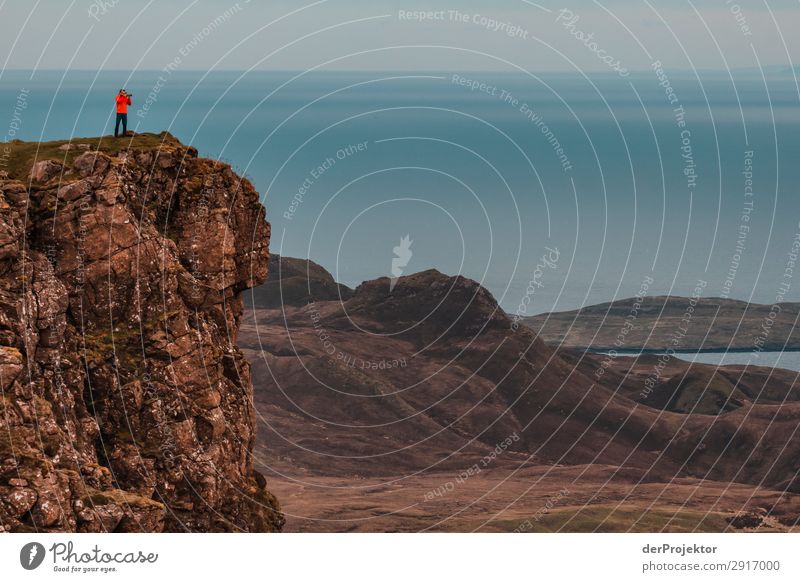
[123, 100]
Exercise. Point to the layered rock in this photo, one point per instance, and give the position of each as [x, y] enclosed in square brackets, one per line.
[126, 404]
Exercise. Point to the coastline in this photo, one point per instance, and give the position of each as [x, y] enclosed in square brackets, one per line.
[657, 351]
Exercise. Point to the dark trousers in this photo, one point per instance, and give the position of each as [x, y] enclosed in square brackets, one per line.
[123, 117]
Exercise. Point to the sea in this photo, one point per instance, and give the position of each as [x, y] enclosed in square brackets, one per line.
[789, 360]
[554, 190]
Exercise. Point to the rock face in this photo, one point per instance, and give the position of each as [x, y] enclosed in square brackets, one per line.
[126, 404]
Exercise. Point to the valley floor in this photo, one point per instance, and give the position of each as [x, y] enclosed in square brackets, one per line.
[534, 499]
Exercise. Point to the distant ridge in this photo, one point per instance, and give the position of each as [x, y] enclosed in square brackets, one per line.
[672, 322]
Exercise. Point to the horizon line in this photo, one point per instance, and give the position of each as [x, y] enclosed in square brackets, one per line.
[772, 67]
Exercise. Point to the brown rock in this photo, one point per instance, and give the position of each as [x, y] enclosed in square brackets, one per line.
[20, 501]
[91, 163]
[211, 425]
[45, 170]
[131, 389]
[10, 366]
[46, 512]
[68, 147]
[74, 190]
[208, 399]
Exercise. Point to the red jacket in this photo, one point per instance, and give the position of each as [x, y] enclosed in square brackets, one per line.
[122, 103]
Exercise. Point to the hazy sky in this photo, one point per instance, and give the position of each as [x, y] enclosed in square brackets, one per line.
[282, 34]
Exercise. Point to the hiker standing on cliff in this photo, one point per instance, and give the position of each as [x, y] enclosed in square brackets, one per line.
[123, 100]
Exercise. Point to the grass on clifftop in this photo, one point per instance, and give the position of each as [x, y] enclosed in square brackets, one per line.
[17, 157]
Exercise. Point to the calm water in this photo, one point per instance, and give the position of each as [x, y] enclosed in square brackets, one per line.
[472, 177]
[787, 360]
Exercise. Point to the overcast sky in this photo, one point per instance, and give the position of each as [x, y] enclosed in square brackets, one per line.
[373, 34]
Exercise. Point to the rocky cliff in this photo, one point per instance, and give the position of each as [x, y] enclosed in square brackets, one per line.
[126, 404]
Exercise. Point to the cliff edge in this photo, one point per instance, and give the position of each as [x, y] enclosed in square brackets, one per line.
[126, 404]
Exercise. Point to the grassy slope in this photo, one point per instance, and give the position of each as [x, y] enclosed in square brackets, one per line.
[19, 156]
[620, 519]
